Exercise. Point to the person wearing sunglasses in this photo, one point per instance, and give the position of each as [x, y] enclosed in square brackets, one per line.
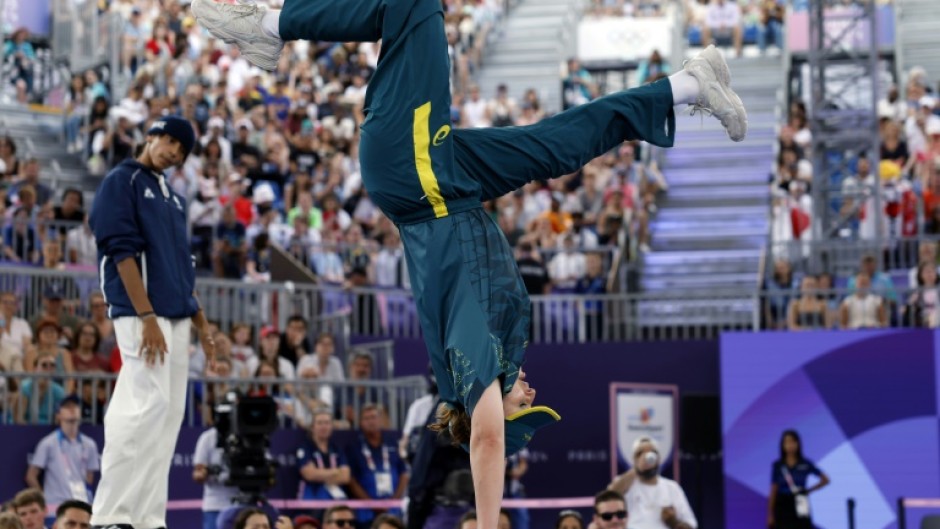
[339, 517]
[655, 502]
[610, 510]
[67, 458]
[39, 395]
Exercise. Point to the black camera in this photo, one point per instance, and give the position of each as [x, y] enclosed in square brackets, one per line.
[244, 425]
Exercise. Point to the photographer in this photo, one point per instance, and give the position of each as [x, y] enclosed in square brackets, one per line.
[207, 463]
[654, 502]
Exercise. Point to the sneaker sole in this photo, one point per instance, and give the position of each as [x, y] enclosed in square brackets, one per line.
[210, 18]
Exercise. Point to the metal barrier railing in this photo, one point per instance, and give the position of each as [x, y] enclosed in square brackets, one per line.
[556, 318]
[296, 399]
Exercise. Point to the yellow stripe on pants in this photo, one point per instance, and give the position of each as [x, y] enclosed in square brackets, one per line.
[422, 141]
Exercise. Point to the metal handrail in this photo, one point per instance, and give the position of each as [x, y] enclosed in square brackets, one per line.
[295, 397]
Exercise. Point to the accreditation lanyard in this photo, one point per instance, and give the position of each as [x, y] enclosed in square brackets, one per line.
[320, 464]
[366, 453]
[75, 479]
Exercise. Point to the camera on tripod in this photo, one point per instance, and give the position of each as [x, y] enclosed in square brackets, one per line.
[244, 425]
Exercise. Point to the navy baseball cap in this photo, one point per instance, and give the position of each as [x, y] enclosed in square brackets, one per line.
[53, 291]
[522, 425]
[176, 127]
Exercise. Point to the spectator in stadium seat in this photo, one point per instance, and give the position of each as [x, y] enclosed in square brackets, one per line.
[48, 334]
[926, 253]
[653, 501]
[326, 261]
[579, 87]
[306, 522]
[503, 109]
[389, 262]
[532, 269]
[67, 458]
[593, 284]
[892, 108]
[98, 310]
[16, 334]
[73, 514]
[39, 396]
[377, 470]
[20, 241]
[893, 147]
[23, 56]
[339, 517]
[323, 466]
[258, 264]
[723, 25]
[29, 176]
[324, 359]
[85, 357]
[355, 396]
[808, 311]
[476, 112]
[772, 13]
[612, 219]
[570, 519]
[923, 305]
[879, 282]
[9, 164]
[778, 290]
[80, 246]
[863, 309]
[71, 209]
[270, 345]
[294, 343]
[652, 68]
[306, 210]
[54, 308]
[389, 521]
[567, 266]
[610, 510]
[231, 246]
[123, 138]
[30, 506]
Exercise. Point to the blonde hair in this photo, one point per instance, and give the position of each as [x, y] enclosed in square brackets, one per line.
[9, 520]
[453, 421]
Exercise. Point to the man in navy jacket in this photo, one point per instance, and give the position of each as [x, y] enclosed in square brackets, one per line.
[146, 273]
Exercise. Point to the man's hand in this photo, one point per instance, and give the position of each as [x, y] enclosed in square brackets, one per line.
[669, 516]
[152, 341]
[208, 346]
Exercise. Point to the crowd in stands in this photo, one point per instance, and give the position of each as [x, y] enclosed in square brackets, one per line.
[371, 465]
[276, 164]
[894, 198]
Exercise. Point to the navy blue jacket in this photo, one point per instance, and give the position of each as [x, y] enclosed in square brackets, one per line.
[135, 217]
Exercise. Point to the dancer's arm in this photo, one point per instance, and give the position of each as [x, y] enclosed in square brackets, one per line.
[488, 455]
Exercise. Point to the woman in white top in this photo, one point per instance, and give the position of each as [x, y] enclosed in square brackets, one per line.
[270, 343]
[863, 310]
[923, 307]
[324, 359]
[15, 334]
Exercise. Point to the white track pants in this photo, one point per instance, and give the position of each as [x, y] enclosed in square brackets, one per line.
[141, 426]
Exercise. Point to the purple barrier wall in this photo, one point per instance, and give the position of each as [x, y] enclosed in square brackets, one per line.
[865, 403]
[570, 459]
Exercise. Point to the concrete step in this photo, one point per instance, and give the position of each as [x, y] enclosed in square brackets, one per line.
[729, 176]
[713, 280]
[735, 311]
[523, 59]
[697, 214]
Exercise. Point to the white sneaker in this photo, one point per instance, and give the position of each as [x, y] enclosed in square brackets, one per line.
[716, 96]
[240, 24]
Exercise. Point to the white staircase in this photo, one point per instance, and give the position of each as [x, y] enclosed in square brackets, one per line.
[712, 224]
[537, 37]
[918, 36]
